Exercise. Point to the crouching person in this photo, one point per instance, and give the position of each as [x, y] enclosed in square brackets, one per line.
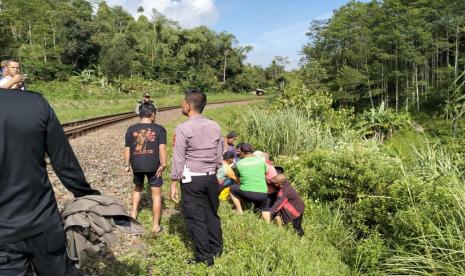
[288, 205]
[252, 186]
[226, 176]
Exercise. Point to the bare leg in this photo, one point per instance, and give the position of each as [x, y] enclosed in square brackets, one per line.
[237, 203]
[266, 215]
[135, 200]
[156, 208]
[279, 220]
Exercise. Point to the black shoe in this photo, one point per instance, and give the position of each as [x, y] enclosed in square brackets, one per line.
[207, 262]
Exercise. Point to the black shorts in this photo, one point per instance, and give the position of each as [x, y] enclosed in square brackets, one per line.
[260, 200]
[152, 178]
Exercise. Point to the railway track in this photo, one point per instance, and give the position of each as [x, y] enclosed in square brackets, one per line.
[81, 127]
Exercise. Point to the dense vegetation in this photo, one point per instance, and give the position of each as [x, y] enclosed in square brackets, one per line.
[394, 193]
[56, 39]
[405, 53]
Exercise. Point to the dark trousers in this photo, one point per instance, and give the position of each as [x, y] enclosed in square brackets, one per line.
[200, 207]
[259, 200]
[43, 254]
[297, 224]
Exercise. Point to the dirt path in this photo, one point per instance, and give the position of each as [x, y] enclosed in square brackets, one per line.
[100, 156]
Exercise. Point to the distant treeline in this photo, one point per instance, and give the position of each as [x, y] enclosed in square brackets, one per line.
[56, 38]
[407, 53]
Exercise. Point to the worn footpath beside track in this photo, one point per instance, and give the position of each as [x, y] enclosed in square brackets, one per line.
[100, 155]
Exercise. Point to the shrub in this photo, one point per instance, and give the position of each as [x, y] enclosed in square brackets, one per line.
[380, 123]
[357, 178]
[297, 95]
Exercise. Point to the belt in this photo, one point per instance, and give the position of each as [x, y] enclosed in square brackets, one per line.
[202, 174]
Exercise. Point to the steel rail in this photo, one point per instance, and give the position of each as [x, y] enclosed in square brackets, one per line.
[77, 128]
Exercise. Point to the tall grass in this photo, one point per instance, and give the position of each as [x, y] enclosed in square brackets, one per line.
[433, 160]
[439, 244]
[288, 132]
[440, 250]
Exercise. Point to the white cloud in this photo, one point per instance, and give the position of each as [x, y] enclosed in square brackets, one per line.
[189, 13]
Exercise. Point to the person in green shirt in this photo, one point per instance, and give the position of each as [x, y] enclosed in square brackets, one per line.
[253, 187]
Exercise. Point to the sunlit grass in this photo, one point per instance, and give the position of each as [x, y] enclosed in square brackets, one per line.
[70, 110]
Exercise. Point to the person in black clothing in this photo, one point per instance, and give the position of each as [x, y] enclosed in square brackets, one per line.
[145, 99]
[288, 205]
[32, 238]
[145, 152]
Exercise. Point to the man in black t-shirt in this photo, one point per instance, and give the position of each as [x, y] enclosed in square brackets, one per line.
[145, 153]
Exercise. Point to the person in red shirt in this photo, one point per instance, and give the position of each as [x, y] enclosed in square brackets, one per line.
[288, 205]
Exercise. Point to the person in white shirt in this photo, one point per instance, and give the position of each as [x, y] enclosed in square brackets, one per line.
[12, 77]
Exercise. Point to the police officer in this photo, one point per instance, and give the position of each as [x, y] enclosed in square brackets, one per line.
[197, 154]
[32, 239]
[145, 99]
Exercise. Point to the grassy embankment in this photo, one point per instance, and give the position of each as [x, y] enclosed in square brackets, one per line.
[393, 206]
[75, 101]
[250, 246]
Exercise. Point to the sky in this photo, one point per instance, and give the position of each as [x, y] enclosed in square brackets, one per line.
[272, 27]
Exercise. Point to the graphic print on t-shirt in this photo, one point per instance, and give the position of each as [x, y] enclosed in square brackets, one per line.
[143, 141]
[142, 137]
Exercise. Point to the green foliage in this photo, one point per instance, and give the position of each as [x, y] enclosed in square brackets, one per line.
[90, 94]
[250, 247]
[378, 51]
[57, 38]
[432, 228]
[299, 96]
[381, 123]
[405, 219]
[357, 177]
[289, 131]
[306, 92]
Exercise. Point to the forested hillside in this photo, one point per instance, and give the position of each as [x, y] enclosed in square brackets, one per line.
[408, 54]
[55, 39]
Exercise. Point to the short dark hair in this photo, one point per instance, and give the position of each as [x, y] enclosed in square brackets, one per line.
[231, 135]
[238, 146]
[228, 155]
[146, 110]
[246, 148]
[196, 98]
[279, 170]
